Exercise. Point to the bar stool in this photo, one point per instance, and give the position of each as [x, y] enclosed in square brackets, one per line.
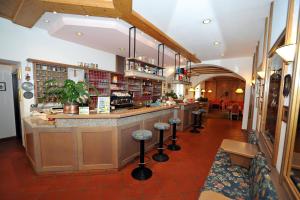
[201, 111]
[174, 146]
[161, 156]
[196, 123]
[142, 172]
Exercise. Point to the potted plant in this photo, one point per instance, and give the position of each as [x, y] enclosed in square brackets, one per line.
[70, 94]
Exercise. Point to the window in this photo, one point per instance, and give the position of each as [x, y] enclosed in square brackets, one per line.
[179, 90]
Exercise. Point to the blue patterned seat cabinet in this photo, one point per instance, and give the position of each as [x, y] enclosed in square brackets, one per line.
[161, 126]
[142, 134]
[236, 182]
[252, 138]
[174, 121]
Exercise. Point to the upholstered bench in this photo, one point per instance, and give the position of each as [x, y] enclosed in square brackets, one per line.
[236, 182]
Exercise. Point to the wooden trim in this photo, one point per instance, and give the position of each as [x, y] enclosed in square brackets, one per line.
[278, 43]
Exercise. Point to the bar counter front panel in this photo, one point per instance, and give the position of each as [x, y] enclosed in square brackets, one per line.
[91, 143]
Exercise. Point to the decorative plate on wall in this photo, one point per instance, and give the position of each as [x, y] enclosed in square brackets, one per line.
[27, 86]
[28, 95]
[287, 85]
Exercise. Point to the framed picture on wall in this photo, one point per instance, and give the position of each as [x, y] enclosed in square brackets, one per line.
[2, 86]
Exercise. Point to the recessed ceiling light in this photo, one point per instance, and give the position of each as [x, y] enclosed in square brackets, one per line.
[54, 12]
[206, 21]
[79, 34]
[46, 21]
[217, 43]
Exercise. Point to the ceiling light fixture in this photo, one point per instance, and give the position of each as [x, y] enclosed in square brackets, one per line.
[206, 21]
[46, 21]
[79, 34]
[217, 43]
[287, 52]
[54, 12]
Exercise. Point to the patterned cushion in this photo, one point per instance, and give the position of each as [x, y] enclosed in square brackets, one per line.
[201, 110]
[252, 138]
[231, 181]
[267, 190]
[161, 126]
[196, 112]
[174, 121]
[237, 182]
[142, 134]
[222, 158]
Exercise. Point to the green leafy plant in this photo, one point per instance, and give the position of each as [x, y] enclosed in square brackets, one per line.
[69, 93]
[171, 94]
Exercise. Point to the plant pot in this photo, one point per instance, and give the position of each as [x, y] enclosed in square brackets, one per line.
[71, 108]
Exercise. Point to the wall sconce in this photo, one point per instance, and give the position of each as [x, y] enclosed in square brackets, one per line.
[203, 91]
[253, 82]
[287, 52]
[209, 91]
[261, 74]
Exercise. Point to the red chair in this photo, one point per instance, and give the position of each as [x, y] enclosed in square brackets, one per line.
[235, 111]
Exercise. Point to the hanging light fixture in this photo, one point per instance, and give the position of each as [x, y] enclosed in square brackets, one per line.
[287, 52]
[239, 91]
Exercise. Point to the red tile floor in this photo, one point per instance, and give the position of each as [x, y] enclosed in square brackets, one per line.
[179, 178]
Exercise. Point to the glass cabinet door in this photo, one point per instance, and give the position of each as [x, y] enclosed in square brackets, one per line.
[275, 73]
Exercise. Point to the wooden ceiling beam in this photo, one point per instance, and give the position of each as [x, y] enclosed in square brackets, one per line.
[85, 3]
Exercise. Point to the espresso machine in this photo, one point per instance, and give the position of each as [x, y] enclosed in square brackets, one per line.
[121, 100]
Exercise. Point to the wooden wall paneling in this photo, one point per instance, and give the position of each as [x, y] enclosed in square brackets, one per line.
[128, 147]
[29, 144]
[97, 147]
[58, 149]
[148, 124]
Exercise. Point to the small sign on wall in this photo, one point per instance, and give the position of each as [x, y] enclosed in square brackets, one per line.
[2, 86]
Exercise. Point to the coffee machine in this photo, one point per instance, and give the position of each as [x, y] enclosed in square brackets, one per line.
[121, 100]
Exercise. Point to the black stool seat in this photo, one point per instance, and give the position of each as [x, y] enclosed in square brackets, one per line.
[160, 156]
[174, 146]
[142, 172]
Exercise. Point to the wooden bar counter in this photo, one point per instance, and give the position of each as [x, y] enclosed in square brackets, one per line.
[90, 142]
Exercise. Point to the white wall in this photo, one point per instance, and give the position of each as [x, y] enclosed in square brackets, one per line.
[243, 68]
[19, 43]
[7, 115]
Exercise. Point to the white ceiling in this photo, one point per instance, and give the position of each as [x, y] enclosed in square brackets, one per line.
[237, 24]
[107, 34]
